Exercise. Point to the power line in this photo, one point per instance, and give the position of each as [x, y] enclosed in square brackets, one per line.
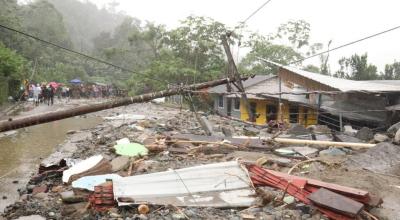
[255, 12]
[76, 52]
[347, 44]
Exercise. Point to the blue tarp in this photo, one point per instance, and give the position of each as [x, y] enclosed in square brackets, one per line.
[76, 81]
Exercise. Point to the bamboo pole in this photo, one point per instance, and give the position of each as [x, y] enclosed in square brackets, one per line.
[355, 146]
[12, 124]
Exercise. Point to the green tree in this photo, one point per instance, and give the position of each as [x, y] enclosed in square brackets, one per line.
[357, 68]
[392, 71]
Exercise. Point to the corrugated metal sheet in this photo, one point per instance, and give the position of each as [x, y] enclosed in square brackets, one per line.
[218, 185]
[246, 83]
[346, 85]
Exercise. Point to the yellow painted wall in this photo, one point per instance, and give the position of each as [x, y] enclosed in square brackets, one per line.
[283, 113]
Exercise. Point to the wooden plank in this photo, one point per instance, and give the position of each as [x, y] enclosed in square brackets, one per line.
[336, 202]
[331, 186]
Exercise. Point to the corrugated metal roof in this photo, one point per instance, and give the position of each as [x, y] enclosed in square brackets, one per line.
[271, 85]
[246, 83]
[346, 85]
[218, 185]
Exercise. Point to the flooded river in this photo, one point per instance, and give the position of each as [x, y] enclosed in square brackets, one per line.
[21, 153]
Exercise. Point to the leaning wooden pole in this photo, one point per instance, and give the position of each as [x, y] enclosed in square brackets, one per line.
[12, 124]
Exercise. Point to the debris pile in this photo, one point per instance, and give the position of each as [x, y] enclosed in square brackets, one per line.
[159, 164]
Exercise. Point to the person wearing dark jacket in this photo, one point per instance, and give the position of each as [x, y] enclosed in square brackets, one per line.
[50, 93]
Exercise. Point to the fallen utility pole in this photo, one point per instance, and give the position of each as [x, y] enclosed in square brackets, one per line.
[12, 124]
[236, 76]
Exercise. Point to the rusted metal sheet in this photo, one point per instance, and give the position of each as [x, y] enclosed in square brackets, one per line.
[336, 202]
[12, 124]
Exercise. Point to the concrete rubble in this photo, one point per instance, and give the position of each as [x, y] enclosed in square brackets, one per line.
[186, 174]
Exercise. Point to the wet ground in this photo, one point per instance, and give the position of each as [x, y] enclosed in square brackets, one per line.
[21, 152]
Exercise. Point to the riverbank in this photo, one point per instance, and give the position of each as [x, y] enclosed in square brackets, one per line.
[148, 123]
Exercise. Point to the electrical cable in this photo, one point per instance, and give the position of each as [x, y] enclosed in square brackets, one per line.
[347, 44]
[255, 12]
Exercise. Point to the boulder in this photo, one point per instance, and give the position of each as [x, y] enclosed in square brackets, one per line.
[365, 134]
[397, 137]
[394, 128]
[380, 138]
[119, 163]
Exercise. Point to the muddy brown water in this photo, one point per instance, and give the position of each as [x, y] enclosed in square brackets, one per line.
[20, 154]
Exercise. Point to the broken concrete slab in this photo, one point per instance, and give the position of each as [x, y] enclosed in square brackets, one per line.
[365, 134]
[349, 130]
[393, 129]
[346, 138]
[397, 137]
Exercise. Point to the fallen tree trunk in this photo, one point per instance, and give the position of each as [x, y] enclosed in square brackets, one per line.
[355, 146]
[12, 124]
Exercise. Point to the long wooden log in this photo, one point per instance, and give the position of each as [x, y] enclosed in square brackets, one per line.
[12, 124]
[355, 146]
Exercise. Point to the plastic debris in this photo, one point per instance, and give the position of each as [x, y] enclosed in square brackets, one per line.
[131, 149]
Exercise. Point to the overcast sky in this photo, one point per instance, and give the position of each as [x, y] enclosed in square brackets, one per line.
[341, 21]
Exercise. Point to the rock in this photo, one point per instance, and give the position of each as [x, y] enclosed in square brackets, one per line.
[380, 138]
[31, 217]
[397, 137]
[15, 181]
[332, 152]
[251, 131]
[305, 216]
[70, 197]
[30, 187]
[39, 189]
[289, 199]
[119, 163]
[365, 134]
[349, 130]
[347, 138]
[247, 216]
[227, 131]
[24, 197]
[4, 197]
[178, 216]
[322, 129]
[393, 129]
[142, 217]
[51, 214]
[40, 195]
[297, 129]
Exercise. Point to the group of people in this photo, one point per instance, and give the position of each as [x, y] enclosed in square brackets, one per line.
[45, 93]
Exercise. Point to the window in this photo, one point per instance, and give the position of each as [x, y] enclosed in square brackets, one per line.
[236, 104]
[220, 101]
[293, 114]
[272, 112]
[253, 109]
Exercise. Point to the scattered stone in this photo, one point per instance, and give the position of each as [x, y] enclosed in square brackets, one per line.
[347, 138]
[15, 181]
[380, 138]
[247, 216]
[70, 197]
[178, 216]
[119, 163]
[332, 152]
[40, 195]
[251, 131]
[365, 134]
[297, 129]
[321, 129]
[31, 217]
[142, 217]
[71, 132]
[4, 197]
[39, 189]
[289, 199]
[51, 214]
[227, 131]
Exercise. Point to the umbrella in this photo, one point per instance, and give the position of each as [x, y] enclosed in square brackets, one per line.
[53, 84]
[76, 81]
